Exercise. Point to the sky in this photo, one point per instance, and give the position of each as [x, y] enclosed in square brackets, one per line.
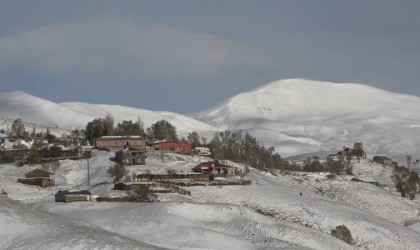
[186, 56]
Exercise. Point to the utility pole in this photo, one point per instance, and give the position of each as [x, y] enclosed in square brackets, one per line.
[88, 155]
[88, 171]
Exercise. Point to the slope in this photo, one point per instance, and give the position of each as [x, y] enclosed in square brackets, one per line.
[298, 116]
[75, 115]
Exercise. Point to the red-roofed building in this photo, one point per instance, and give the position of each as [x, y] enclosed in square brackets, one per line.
[215, 167]
[177, 147]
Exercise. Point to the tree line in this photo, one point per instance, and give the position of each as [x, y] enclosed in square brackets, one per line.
[99, 127]
[228, 145]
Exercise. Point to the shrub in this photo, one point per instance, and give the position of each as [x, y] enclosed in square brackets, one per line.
[171, 171]
[143, 193]
[211, 177]
[406, 182]
[343, 233]
[117, 171]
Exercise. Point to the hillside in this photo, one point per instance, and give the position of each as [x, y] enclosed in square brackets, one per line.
[298, 116]
[268, 214]
[295, 116]
[75, 115]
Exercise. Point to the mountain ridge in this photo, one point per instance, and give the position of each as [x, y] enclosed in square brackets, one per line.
[294, 116]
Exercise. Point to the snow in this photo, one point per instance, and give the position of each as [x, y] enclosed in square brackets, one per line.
[268, 214]
[279, 210]
[294, 115]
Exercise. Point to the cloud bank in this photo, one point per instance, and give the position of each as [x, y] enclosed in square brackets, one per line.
[124, 47]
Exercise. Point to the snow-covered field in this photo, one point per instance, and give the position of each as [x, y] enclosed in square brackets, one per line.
[270, 213]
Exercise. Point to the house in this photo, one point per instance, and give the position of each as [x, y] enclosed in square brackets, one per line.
[383, 160]
[202, 151]
[216, 168]
[70, 196]
[172, 146]
[39, 177]
[117, 143]
[131, 156]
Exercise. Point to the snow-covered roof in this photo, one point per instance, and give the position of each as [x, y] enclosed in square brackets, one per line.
[121, 137]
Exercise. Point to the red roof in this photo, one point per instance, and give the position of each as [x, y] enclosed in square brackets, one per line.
[207, 167]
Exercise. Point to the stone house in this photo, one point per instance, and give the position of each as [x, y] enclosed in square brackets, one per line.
[131, 156]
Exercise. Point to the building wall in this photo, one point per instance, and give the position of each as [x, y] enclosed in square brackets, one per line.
[223, 171]
[131, 157]
[178, 147]
[115, 144]
[76, 197]
[41, 182]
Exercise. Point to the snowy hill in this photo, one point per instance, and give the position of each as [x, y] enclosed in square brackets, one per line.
[268, 214]
[75, 115]
[295, 116]
[298, 116]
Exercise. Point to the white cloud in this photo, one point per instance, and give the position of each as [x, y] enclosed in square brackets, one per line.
[124, 47]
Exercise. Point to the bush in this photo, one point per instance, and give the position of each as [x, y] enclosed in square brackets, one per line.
[117, 171]
[211, 177]
[406, 182]
[143, 193]
[343, 233]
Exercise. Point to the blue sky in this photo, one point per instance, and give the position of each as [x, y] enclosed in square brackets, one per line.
[185, 56]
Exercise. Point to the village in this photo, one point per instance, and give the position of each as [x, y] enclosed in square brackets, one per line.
[129, 169]
[129, 152]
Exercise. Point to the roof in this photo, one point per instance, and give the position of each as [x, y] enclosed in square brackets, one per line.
[131, 149]
[39, 171]
[3, 135]
[383, 158]
[120, 138]
[207, 167]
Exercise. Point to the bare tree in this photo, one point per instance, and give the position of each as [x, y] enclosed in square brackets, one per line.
[140, 124]
[408, 159]
[109, 124]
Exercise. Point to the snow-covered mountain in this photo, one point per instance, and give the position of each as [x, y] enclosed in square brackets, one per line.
[75, 115]
[295, 116]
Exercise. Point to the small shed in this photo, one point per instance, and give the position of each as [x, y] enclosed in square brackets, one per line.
[38, 177]
[70, 196]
